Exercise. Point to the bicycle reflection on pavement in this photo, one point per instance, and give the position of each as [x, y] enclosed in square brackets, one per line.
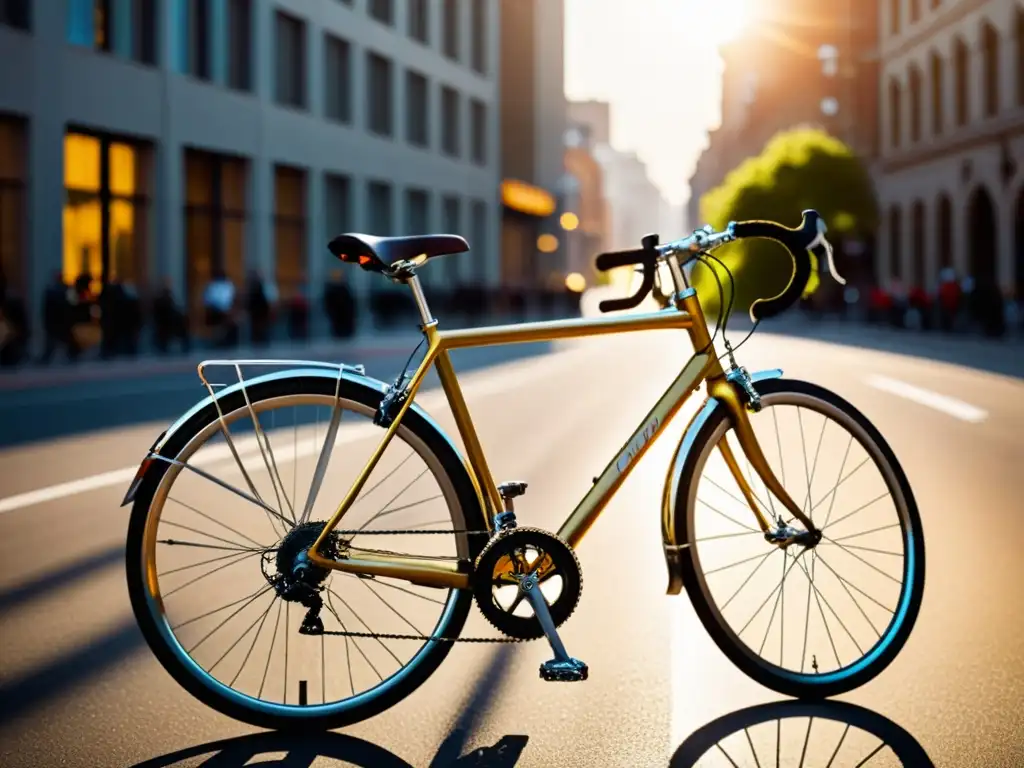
[828, 734]
[302, 751]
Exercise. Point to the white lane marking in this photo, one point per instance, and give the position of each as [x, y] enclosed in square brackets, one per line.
[474, 384]
[948, 405]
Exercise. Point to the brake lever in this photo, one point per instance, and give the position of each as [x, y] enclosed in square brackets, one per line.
[820, 241]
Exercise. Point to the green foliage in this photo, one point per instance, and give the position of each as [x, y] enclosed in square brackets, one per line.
[798, 169]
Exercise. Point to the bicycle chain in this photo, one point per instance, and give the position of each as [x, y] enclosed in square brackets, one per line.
[421, 638]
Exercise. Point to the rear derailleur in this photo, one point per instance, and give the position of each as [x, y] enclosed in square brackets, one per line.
[297, 579]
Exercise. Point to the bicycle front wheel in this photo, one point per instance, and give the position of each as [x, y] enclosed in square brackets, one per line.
[251, 482]
[805, 622]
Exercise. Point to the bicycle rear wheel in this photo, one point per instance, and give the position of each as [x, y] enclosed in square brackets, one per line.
[201, 553]
[852, 600]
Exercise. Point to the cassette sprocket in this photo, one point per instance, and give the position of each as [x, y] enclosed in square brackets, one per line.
[502, 564]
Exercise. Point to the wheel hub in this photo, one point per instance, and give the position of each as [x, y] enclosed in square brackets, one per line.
[297, 576]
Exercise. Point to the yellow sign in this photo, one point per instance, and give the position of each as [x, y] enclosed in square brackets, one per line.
[527, 198]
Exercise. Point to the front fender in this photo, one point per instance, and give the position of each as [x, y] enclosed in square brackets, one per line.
[348, 374]
[671, 495]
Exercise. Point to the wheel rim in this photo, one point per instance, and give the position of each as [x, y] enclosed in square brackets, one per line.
[811, 598]
[156, 601]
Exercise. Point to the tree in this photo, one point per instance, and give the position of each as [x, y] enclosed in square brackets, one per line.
[798, 169]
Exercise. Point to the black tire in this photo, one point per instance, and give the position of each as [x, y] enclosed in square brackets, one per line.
[236, 707]
[888, 647]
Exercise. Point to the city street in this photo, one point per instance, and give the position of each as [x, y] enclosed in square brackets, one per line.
[79, 686]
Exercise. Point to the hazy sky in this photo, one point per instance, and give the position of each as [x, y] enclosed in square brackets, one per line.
[655, 61]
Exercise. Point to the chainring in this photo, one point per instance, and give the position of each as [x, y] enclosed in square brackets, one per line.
[504, 561]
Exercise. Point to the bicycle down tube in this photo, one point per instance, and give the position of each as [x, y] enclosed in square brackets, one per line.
[704, 365]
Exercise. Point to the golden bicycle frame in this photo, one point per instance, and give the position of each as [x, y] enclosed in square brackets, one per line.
[683, 312]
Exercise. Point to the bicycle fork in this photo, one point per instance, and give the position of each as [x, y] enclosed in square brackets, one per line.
[736, 392]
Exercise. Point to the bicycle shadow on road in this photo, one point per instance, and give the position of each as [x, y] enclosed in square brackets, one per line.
[302, 751]
[792, 733]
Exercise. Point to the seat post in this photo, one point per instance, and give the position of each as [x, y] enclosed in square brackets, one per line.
[420, 299]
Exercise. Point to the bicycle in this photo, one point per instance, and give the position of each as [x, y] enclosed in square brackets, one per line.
[491, 561]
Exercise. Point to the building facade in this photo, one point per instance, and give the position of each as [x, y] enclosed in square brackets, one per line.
[951, 177]
[801, 62]
[635, 205]
[533, 120]
[589, 212]
[151, 140]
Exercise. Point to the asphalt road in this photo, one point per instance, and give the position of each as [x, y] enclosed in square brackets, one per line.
[78, 687]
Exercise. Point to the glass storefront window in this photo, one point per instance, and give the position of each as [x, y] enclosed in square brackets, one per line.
[290, 230]
[12, 203]
[105, 210]
[215, 218]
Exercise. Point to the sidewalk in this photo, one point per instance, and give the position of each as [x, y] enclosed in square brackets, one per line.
[62, 373]
[1004, 355]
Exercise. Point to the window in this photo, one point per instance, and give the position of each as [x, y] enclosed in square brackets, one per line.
[944, 234]
[895, 243]
[417, 212]
[290, 60]
[450, 121]
[240, 45]
[990, 58]
[478, 41]
[894, 16]
[478, 240]
[337, 79]
[106, 182]
[290, 230]
[215, 220]
[417, 109]
[915, 104]
[915, 11]
[338, 192]
[918, 272]
[125, 29]
[16, 13]
[419, 20]
[379, 193]
[378, 92]
[960, 59]
[198, 12]
[938, 100]
[895, 106]
[13, 255]
[451, 223]
[383, 11]
[478, 131]
[451, 29]
[1020, 57]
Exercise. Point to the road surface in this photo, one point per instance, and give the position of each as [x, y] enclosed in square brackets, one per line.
[78, 687]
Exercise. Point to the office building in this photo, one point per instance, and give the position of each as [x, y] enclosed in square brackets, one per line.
[534, 183]
[149, 140]
[951, 178]
[635, 205]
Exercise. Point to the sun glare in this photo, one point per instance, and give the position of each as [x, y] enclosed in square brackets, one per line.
[721, 21]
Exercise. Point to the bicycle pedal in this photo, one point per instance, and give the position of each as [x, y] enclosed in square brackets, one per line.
[568, 671]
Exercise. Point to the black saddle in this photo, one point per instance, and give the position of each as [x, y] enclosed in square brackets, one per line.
[377, 254]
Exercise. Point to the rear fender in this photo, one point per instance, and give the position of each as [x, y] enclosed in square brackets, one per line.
[674, 495]
[349, 374]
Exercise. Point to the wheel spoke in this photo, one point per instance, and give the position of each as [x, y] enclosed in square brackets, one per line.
[322, 462]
